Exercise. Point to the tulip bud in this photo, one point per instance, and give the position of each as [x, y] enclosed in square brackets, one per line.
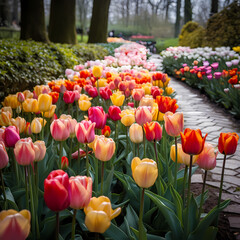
[3, 156]
[40, 150]
[11, 136]
[64, 163]
[20, 97]
[106, 131]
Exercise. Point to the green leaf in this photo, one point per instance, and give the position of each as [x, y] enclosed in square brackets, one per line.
[169, 214]
[107, 183]
[10, 199]
[205, 222]
[114, 232]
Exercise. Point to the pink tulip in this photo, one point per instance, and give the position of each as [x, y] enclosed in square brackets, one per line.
[104, 148]
[173, 123]
[81, 153]
[138, 93]
[143, 115]
[80, 191]
[11, 136]
[60, 129]
[68, 97]
[207, 158]
[113, 113]
[3, 156]
[72, 125]
[93, 92]
[24, 151]
[97, 115]
[20, 97]
[105, 93]
[76, 94]
[85, 131]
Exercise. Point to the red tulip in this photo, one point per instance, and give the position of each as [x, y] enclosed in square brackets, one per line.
[113, 113]
[93, 92]
[192, 141]
[68, 97]
[57, 190]
[105, 93]
[153, 131]
[81, 191]
[64, 163]
[227, 143]
[106, 131]
[97, 115]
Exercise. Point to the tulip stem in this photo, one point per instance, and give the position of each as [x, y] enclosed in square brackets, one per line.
[138, 149]
[176, 164]
[76, 102]
[32, 202]
[26, 186]
[102, 176]
[202, 195]
[140, 223]
[144, 142]
[57, 225]
[87, 161]
[74, 223]
[43, 127]
[189, 180]
[116, 133]
[221, 185]
[127, 140]
[15, 166]
[3, 189]
[184, 183]
[96, 174]
[60, 153]
[70, 152]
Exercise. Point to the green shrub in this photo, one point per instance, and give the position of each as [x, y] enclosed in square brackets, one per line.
[24, 64]
[223, 28]
[192, 35]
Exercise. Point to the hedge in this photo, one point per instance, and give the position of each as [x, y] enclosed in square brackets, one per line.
[24, 64]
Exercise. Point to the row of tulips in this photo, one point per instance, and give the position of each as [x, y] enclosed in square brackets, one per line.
[93, 154]
[217, 74]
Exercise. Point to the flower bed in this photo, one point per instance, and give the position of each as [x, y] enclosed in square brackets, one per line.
[97, 156]
[214, 72]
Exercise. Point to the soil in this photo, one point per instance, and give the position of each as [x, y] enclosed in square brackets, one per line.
[224, 232]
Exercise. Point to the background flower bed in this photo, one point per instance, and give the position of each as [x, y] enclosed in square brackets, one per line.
[24, 64]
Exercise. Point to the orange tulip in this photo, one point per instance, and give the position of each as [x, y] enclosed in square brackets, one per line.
[99, 214]
[14, 225]
[166, 104]
[192, 141]
[153, 131]
[173, 123]
[227, 143]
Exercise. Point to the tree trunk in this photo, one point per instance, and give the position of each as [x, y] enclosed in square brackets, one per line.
[214, 7]
[187, 11]
[15, 17]
[99, 21]
[32, 21]
[127, 8]
[62, 26]
[177, 23]
[4, 13]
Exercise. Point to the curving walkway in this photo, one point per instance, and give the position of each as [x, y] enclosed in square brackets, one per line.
[200, 113]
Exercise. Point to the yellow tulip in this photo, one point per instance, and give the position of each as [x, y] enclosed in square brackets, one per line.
[99, 214]
[11, 101]
[14, 225]
[5, 118]
[36, 126]
[145, 172]
[44, 102]
[157, 116]
[85, 97]
[182, 157]
[84, 105]
[30, 105]
[28, 94]
[117, 98]
[97, 71]
[127, 117]
[147, 88]
[102, 82]
[51, 112]
[169, 90]
[136, 133]
[7, 109]
[20, 123]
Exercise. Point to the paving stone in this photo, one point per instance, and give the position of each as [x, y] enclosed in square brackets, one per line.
[234, 222]
[229, 179]
[197, 178]
[218, 170]
[232, 197]
[233, 208]
[226, 186]
[230, 164]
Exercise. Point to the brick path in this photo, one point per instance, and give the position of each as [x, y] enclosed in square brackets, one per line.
[200, 113]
